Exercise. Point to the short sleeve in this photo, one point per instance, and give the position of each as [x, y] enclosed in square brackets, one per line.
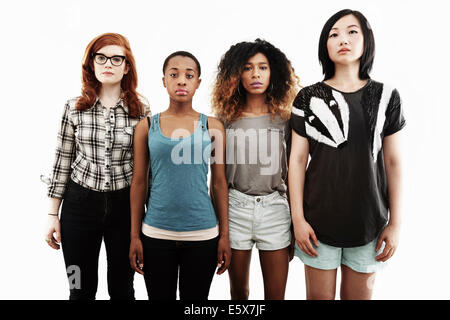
[395, 120]
[299, 110]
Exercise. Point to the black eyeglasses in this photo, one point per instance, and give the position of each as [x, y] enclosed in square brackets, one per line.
[102, 59]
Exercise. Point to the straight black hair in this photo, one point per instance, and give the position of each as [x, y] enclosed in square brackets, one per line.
[368, 51]
[182, 54]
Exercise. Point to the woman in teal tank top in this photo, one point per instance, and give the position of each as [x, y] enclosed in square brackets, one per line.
[183, 235]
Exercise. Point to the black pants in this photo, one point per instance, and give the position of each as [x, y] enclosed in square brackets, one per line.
[195, 261]
[87, 217]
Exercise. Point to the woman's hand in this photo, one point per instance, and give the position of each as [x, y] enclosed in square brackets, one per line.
[223, 255]
[303, 233]
[390, 236]
[136, 255]
[53, 227]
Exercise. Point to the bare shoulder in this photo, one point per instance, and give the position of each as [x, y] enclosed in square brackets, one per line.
[142, 126]
[214, 123]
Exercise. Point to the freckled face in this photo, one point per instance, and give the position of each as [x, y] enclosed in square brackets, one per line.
[108, 73]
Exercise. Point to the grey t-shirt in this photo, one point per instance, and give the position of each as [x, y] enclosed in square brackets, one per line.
[257, 154]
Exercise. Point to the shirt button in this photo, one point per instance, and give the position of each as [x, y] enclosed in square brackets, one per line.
[107, 183]
[258, 199]
[107, 166]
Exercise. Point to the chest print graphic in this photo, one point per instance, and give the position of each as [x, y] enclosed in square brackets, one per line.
[327, 122]
[327, 115]
[336, 131]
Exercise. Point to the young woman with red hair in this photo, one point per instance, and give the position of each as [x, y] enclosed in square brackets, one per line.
[93, 168]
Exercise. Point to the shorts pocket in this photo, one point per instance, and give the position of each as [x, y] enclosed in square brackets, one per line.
[236, 201]
[282, 201]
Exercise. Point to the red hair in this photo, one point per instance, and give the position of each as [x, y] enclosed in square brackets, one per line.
[91, 86]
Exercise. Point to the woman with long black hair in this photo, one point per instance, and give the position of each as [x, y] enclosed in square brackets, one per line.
[346, 202]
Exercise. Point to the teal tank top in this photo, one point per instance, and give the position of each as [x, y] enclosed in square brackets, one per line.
[179, 198]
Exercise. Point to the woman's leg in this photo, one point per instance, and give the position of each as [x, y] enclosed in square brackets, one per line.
[239, 273]
[359, 267]
[117, 227]
[81, 238]
[320, 284]
[81, 250]
[274, 266]
[160, 268]
[356, 285]
[198, 262]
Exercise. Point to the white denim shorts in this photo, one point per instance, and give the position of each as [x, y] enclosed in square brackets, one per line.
[261, 220]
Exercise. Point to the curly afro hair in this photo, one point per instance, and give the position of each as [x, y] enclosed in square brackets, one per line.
[229, 96]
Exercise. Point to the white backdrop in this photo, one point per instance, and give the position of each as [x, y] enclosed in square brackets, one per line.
[41, 51]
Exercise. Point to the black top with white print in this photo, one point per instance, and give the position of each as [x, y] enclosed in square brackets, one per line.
[94, 148]
[345, 195]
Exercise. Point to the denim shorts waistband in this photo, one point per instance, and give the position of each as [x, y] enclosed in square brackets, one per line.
[251, 198]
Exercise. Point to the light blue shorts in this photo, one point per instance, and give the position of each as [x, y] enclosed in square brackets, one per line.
[360, 259]
[261, 220]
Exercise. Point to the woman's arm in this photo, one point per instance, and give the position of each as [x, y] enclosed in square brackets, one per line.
[138, 192]
[288, 139]
[64, 156]
[393, 165]
[220, 191]
[298, 161]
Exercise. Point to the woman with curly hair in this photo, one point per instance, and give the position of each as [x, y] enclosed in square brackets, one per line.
[252, 95]
[93, 168]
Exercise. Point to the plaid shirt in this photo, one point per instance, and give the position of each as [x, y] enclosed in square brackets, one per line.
[95, 148]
